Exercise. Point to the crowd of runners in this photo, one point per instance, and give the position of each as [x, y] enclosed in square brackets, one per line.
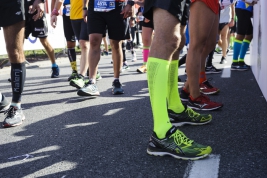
[204, 26]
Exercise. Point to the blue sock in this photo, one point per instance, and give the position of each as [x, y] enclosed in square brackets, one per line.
[54, 65]
[237, 48]
[243, 51]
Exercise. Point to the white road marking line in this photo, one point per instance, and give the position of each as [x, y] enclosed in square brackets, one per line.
[208, 168]
[226, 73]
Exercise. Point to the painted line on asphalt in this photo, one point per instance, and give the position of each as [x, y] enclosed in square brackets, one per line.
[208, 168]
[226, 73]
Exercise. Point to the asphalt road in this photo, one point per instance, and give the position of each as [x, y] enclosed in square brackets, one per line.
[65, 135]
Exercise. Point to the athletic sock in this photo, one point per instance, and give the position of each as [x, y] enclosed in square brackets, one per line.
[174, 101]
[243, 51]
[202, 77]
[54, 65]
[182, 60]
[123, 46]
[209, 59]
[145, 53]
[18, 75]
[17, 105]
[157, 76]
[232, 39]
[72, 58]
[237, 48]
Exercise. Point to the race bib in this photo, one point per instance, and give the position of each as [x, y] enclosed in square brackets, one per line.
[67, 10]
[104, 5]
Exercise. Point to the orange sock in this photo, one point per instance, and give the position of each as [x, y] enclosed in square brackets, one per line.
[202, 77]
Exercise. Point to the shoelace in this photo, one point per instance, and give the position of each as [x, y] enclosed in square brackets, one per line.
[192, 113]
[180, 138]
[10, 112]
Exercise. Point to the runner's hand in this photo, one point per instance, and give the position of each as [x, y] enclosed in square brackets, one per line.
[38, 6]
[127, 11]
[53, 21]
[85, 12]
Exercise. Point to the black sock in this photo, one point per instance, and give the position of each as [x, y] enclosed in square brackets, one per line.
[210, 57]
[72, 54]
[123, 46]
[18, 75]
[182, 60]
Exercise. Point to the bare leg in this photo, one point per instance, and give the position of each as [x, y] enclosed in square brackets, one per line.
[94, 54]
[84, 45]
[116, 57]
[48, 49]
[200, 30]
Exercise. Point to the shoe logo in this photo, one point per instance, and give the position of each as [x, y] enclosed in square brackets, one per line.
[18, 13]
[201, 105]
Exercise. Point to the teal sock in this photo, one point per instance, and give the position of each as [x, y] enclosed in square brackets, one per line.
[244, 48]
[54, 65]
[17, 105]
[237, 48]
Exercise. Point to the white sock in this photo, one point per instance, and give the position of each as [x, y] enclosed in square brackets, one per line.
[17, 105]
[1, 97]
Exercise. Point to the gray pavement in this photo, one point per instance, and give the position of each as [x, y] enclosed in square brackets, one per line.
[65, 135]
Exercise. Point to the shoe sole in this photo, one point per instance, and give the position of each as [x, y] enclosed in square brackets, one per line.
[210, 93]
[213, 72]
[14, 125]
[80, 93]
[190, 123]
[202, 109]
[183, 100]
[139, 71]
[175, 156]
[239, 69]
[117, 93]
[75, 85]
[5, 108]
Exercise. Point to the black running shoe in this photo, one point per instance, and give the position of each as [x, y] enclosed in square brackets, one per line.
[73, 75]
[212, 70]
[223, 60]
[14, 117]
[177, 145]
[184, 96]
[4, 104]
[55, 72]
[89, 90]
[117, 87]
[188, 116]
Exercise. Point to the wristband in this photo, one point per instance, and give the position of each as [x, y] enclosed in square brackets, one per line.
[55, 12]
[130, 2]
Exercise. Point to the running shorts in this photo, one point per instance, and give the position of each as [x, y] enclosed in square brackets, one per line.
[212, 4]
[148, 24]
[117, 25]
[68, 31]
[222, 25]
[38, 28]
[80, 29]
[174, 7]
[185, 16]
[244, 24]
[12, 11]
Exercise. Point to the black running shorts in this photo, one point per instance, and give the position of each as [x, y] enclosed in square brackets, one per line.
[68, 31]
[11, 12]
[117, 25]
[80, 29]
[37, 28]
[149, 24]
[185, 16]
[244, 24]
[174, 7]
[222, 25]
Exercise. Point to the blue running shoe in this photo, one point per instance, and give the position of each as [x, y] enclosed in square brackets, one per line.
[117, 87]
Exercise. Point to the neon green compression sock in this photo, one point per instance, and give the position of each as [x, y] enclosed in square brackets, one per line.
[157, 76]
[174, 101]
